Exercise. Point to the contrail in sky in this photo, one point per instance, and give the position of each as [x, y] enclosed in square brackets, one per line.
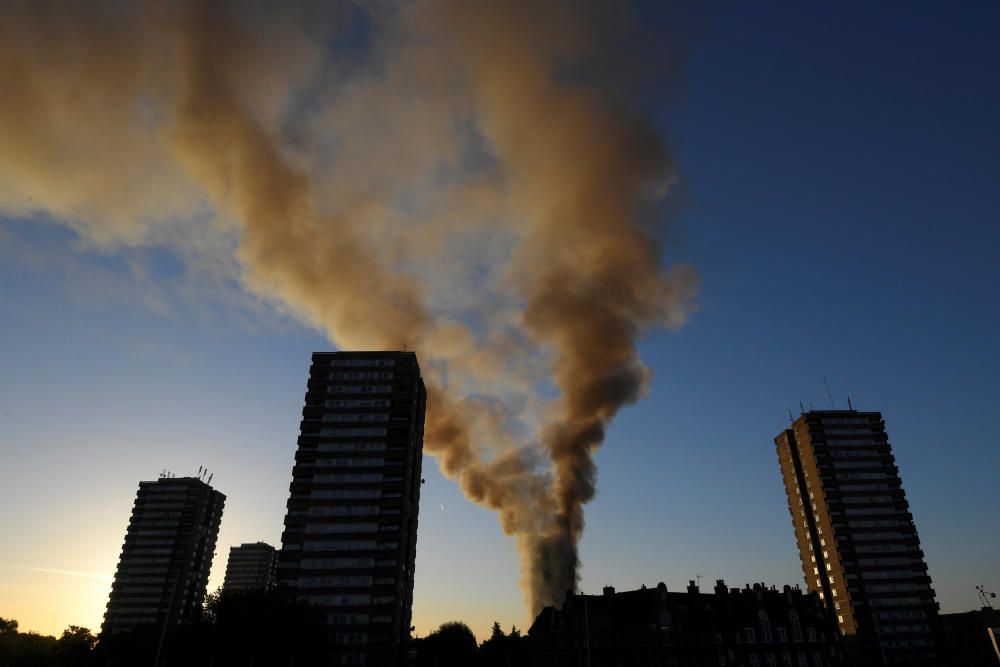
[68, 573]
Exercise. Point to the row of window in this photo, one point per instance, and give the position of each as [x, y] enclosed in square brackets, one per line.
[895, 602]
[345, 494]
[857, 464]
[353, 463]
[342, 528]
[339, 582]
[344, 545]
[356, 417]
[862, 511]
[854, 453]
[890, 574]
[895, 588]
[847, 488]
[359, 389]
[349, 600]
[345, 563]
[361, 375]
[354, 431]
[881, 548]
[865, 475]
[357, 477]
[358, 403]
[902, 615]
[351, 447]
[344, 510]
[354, 363]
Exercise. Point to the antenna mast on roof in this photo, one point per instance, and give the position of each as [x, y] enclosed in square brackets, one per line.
[849, 406]
[828, 394]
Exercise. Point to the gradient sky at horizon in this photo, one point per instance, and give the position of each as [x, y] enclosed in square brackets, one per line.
[840, 182]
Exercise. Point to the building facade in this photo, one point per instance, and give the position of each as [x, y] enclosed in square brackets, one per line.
[350, 537]
[251, 566]
[163, 570]
[752, 627]
[856, 537]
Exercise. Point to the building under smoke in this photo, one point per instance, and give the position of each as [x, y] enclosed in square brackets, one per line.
[652, 627]
[350, 538]
[163, 571]
[857, 542]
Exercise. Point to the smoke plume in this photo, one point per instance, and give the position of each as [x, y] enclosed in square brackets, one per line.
[460, 177]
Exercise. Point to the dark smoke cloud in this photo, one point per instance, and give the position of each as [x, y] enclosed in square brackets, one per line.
[470, 189]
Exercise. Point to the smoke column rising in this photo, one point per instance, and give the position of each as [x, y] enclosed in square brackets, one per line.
[469, 189]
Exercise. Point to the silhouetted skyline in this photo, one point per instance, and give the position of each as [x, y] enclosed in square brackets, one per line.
[828, 172]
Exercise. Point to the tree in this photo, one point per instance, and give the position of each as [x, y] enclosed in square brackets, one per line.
[451, 645]
[76, 647]
[24, 649]
[504, 650]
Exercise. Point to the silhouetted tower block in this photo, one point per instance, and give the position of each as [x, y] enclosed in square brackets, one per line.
[163, 571]
[857, 541]
[251, 566]
[350, 538]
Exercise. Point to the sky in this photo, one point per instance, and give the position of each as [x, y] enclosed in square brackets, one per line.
[837, 171]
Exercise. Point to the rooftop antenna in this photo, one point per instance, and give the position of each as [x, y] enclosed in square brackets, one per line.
[210, 478]
[802, 409]
[199, 472]
[828, 394]
[790, 417]
[849, 406]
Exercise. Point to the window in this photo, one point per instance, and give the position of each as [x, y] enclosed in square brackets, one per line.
[782, 635]
[811, 634]
[793, 617]
[765, 626]
[750, 635]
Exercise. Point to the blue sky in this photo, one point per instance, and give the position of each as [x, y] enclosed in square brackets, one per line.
[839, 169]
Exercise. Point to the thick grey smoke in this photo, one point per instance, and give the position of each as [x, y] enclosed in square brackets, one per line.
[446, 175]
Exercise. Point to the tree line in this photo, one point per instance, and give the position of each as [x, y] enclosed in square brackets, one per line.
[245, 629]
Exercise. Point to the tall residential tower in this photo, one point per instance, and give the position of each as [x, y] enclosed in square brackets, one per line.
[251, 566]
[350, 537]
[857, 542]
[163, 571]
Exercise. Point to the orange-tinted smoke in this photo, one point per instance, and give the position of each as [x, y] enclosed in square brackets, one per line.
[122, 119]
